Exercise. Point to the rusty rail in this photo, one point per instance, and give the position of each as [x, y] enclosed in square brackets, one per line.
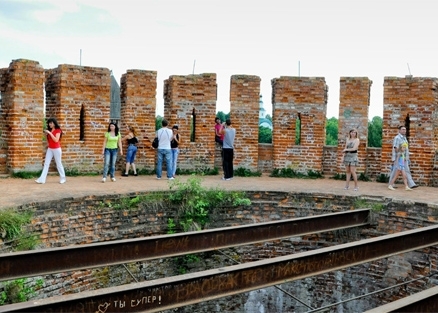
[424, 301]
[173, 292]
[47, 261]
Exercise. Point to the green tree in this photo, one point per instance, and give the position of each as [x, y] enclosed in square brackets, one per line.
[375, 132]
[222, 115]
[158, 120]
[331, 132]
[265, 135]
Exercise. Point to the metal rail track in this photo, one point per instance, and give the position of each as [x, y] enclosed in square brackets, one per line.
[173, 292]
[47, 261]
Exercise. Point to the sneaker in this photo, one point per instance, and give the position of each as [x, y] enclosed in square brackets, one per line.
[103, 180]
[171, 178]
[414, 186]
[227, 178]
[62, 181]
[39, 182]
[407, 188]
[113, 179]
[390, 187]
[356, 189]
[125, 175]
[158, 177]
[135, 174]
[346, 187]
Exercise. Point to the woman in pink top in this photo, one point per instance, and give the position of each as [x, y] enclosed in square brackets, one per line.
[54, 134]
[219, 137]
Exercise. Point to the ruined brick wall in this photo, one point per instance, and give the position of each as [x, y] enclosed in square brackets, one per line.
[354, 101]
[373, 156]
[138, 90]
[330, 155]
[95, 219]
[303, 99]
[411, 101]
[22, 113]
[191, 100]
[3, 122]
[265, 157]
[75, 93]
[244, 109]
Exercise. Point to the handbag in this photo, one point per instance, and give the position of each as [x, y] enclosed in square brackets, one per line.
[155, 143]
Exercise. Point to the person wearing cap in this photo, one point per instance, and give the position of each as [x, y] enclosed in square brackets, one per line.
[174, 146]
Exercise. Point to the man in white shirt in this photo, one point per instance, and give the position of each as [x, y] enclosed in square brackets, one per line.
[165, 136]
[228, 149]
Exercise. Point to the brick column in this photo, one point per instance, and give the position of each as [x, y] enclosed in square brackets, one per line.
[138, 92]
[354, 102]
[193, 98]
[244, 108]
[74, 90]
[23, 113]
[413, 102]
[303, 98]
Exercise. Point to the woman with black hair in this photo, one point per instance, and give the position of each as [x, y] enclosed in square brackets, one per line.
[111, 144]
[54, 134]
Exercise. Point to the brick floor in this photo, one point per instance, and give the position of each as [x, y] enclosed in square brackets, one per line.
[16, 191]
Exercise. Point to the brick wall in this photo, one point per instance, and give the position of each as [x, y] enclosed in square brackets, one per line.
[192, 99]
[305, 99]
[79, 97]
[265, 157]
[138, 91]
[244, 108]
[72, 91]
[22, 116]
[354, 101]
[411, 101]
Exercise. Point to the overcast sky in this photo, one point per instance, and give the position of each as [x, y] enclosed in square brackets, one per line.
[267, 38]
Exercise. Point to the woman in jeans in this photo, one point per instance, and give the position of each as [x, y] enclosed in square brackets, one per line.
[111, 143]
[175, 150]
[132, 140]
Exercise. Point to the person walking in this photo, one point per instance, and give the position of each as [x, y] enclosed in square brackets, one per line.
[350, 158]
[174, 144]
[229, 134]
[400, 166]
[112, 143]
[164, 151]
[132, 140]
[53, 134]
[399, 139]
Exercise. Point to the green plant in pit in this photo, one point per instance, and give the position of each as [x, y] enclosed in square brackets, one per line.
[195, 201]
[11, 229]
[18, 290]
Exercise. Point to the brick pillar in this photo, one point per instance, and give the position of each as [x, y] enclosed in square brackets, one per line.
[244, 108]
[413, 102]
[73, 92]
[23, 113]
[303, 98]
[354, 102]
[193, 98]
[138, 92]
[3, 122]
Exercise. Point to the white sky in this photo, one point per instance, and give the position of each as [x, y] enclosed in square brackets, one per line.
[267, 38]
